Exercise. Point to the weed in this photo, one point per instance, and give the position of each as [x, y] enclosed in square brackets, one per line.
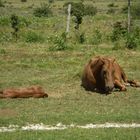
[78, 21]
[131, 42]
[136, 11]
[111, 5]
[118, 45]
[111, 11]
[1, 3]
[50, 1]
[136, 32]
[119, 31]
[43, 11]
[133, 38]
[5, 37]
[24, 22]
[80, 37]
[15, 25]
[2, 51]
[124, 9]
[23, 0]
[32, 37]
[90, 10]
[4, 21]
[59, 42]
[97, 38]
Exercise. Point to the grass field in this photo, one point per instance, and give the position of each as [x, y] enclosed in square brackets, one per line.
[59, 73]
[74, 134]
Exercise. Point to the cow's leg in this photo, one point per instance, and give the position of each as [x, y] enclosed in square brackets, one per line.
[119, 85]
[133, 83]
[44, 95]
[40, 95]
[2, 96]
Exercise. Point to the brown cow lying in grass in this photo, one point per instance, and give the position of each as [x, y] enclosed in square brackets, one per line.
[103, 74]
[33, 91]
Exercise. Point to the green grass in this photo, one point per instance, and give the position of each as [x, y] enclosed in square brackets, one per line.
[74, 134]
[59, 73]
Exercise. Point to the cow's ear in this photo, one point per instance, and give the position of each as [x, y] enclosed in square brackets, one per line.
[113, 60]
[102, 60]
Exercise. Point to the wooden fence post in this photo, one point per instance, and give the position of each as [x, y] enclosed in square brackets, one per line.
[129, 17]
[68, 18]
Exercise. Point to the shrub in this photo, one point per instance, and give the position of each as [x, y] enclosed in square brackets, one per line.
[23, 0]
[15, 25]
[97, 38]
[24, 22]
[77, 10]
[136, 33]
[43, 11]
[5, 37]
[2, 51]
[118, 45]
[125, 9]
[80, 37]
[1, 3]
[133, 38]
[50, 1]
[78, 21]
[111, 5]
[111, 11]
[32, 37]
[136, 11]
[90, 10]
[4, 21]
[131, 42]
[59, 43]
[81, 9]
[119, 31]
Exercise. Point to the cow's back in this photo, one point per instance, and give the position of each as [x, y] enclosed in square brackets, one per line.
[91, 74]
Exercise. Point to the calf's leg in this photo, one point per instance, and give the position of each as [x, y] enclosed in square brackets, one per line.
[119, 85]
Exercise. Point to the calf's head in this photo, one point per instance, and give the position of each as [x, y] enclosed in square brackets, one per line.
[107, 74]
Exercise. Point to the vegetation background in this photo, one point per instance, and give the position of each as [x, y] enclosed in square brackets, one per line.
[34, 49]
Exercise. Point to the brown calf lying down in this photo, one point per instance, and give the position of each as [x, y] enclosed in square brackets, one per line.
[33, 91]
[104, 74]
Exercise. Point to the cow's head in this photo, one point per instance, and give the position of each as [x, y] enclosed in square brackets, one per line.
[107, 74]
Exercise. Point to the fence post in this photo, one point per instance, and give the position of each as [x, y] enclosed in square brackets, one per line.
[129, 22]
[68, 18]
